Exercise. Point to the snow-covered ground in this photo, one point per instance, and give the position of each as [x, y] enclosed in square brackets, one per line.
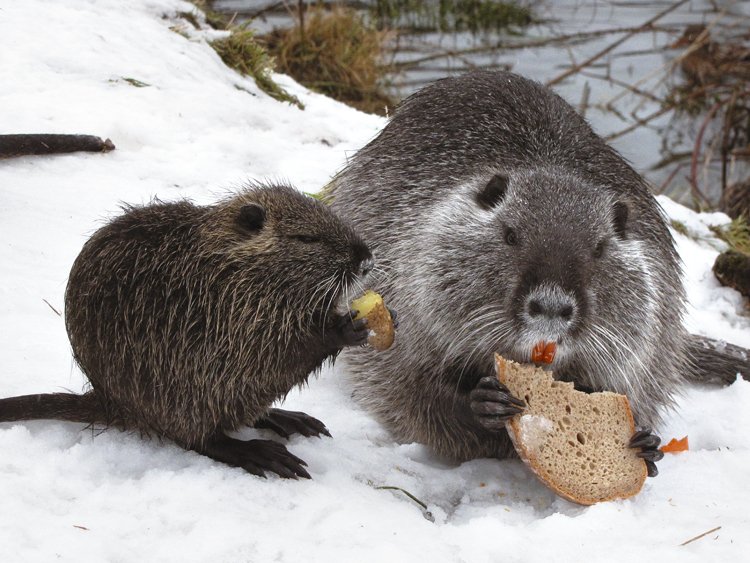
[196, 131]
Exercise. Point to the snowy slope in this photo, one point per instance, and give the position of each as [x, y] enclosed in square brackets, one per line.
[68, 495]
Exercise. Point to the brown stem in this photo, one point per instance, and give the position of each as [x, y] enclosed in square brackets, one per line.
[643, 121]
[697, 151]
[665, 184]
[645, 26]
[404, 65]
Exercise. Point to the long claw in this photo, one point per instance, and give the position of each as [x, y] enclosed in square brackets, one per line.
[286, 423]
[648, 443]
[651, 455]
[492, 404]
[256, 457]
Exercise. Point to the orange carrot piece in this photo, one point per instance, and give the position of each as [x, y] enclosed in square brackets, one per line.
[675, 446]
[543, 352]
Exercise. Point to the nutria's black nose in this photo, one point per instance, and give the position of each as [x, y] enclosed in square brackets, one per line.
[362, 261]
[553, 305]
[366, 266]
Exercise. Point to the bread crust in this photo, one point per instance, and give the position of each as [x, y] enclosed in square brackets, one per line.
[530, 458]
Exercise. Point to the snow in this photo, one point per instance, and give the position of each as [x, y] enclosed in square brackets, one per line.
[197, 131]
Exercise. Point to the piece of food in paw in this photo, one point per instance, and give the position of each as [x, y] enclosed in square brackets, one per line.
[379, 321]
[575, 442]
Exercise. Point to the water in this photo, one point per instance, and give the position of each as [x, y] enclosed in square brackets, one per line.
[601, 91]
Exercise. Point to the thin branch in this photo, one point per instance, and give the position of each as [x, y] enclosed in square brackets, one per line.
[646, 26]
[696, 153]
[716, 529]
[51, 307]
[663, 70]
[545, 42]
[407, 493]
[623, 84]
[665, 184]
[642, 121]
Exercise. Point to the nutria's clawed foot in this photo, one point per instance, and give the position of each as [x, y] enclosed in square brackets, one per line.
[344, 331]
[285, 423]
[650, 452]
[492, 404]
[256, 457]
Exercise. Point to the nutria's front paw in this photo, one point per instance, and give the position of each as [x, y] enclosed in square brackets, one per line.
[649, 446]
[492, 404]
[256, 457]
[285, 423]
[344, 331]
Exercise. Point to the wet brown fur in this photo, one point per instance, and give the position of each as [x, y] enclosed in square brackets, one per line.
[188, 324]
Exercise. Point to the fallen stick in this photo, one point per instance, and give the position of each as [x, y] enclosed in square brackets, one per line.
[701, 535]
[24, 144]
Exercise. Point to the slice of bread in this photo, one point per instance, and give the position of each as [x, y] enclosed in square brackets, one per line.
[575, 442]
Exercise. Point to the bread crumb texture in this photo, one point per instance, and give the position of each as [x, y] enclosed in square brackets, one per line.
[576, 443]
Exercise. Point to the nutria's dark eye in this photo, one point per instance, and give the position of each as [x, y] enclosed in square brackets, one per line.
[494, 192]
[510, 237]
[308, 239]
[251, 217]
[621, 219]
[599, 249]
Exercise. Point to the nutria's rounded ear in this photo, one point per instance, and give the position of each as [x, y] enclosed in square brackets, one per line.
[494, 192]
[251, 217]
[621, 218]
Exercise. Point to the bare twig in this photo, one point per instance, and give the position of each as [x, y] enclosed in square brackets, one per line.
[584, 103]
[51, 307]
[230, 23]
[696, 153]
[407, 493]
[645, 26]
[642, 121]
[275, 6]
[665, 184]
[716, 529]
[725, 147]
[500, 45]
[663, 69]
[426, 513]
[623, 84]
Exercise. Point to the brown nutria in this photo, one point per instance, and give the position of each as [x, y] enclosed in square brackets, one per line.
[190, 321]
[500, 220]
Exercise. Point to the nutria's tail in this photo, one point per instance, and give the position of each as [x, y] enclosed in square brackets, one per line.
[58, 406]
[714, 361]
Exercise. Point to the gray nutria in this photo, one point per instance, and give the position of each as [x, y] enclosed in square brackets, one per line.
[501, 220]
[191, 321]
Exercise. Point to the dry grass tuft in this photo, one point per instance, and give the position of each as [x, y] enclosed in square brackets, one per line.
[336, 53]
[736, 234]
[242, 52]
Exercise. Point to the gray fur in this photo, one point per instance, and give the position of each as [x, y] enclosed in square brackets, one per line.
[462, 292]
